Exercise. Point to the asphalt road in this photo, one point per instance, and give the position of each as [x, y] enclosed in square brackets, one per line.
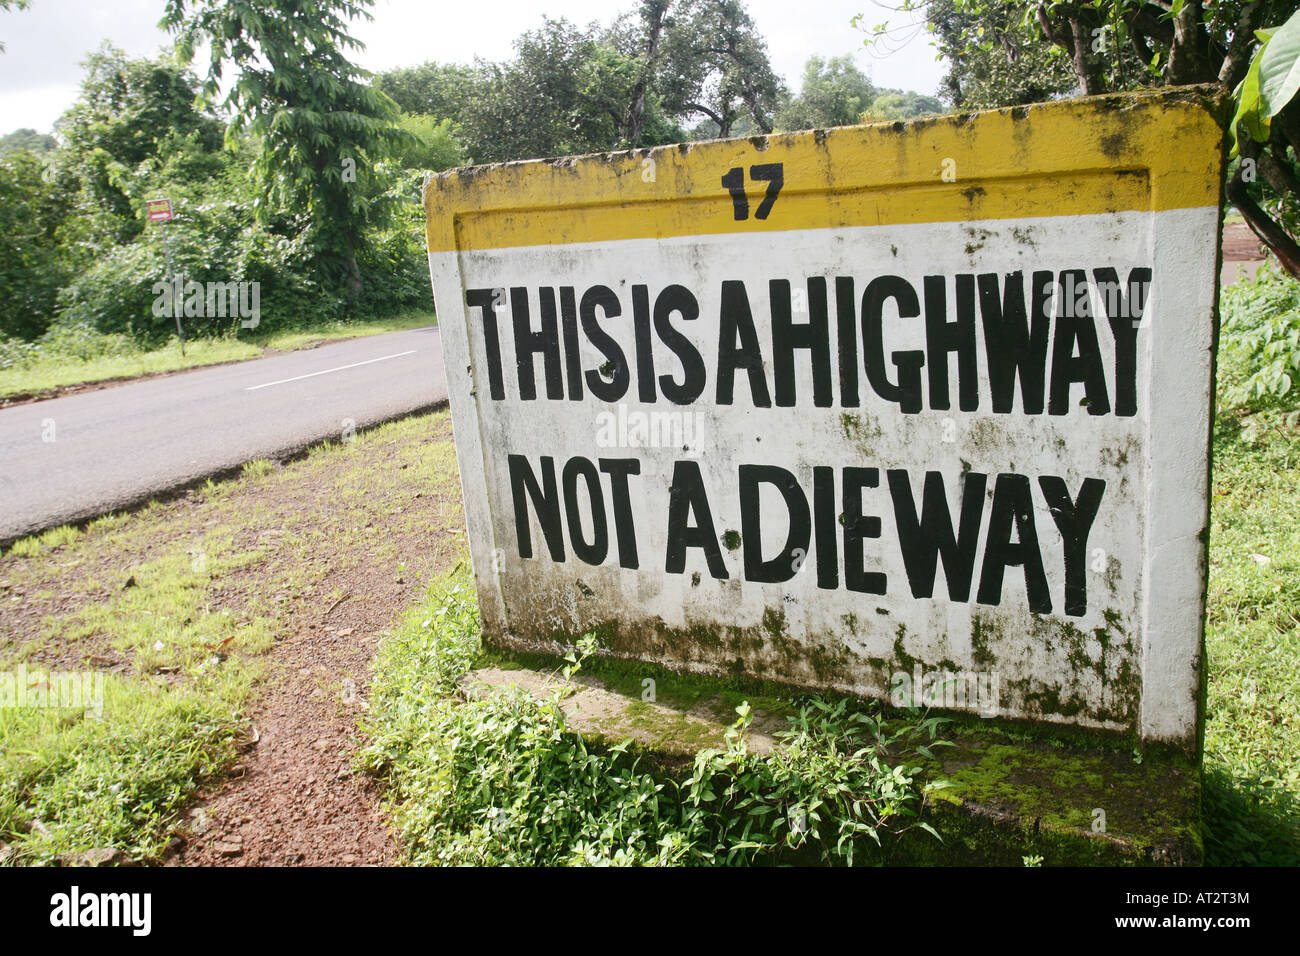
[76, 457]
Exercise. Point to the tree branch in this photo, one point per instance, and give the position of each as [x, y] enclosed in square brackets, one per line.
[701, 108]
[1263, 225]
[1237, 61]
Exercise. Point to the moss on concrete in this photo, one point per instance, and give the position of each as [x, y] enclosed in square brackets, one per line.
[1000, 792]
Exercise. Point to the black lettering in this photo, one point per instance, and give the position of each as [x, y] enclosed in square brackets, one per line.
[687, 497]
[572, 351]
[645, 356]
[606, 300]
[907, 393]
[1075, 326]
[1074, 520]
[785, 565]
[594, 551]
[1125, 314]
[528, 343]
[942, 337]
[738, 347]
[485, 299]
[546, 502]
[676, 298]
[1013, 503]
[846, 314]
[618, 470]
[788, 335]
[828, 559]
[931, 537]
[857, 528]
[1016, 347]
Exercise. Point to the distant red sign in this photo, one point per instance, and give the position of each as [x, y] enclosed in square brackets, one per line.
[159, 210]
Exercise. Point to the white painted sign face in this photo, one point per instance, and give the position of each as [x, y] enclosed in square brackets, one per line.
[919, 413]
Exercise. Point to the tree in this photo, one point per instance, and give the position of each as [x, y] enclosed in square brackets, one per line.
[28, 139]
[321, 127]
[433, 145]
[1117, 45]
[696, 59]
[1009, 66]
[738, 77]
[653, 19]
[531, 106]
[430, 89]
[834, 93]
[900, 104]
[566, 90]
[32, 266]
[126, 111]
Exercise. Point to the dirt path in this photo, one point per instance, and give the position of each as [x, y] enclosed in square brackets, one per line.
[325, 554]
[295, 799]
[1241, 253]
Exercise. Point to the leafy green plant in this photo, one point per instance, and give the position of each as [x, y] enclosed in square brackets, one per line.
[497, 778]
[826, 789]
[1259, 340]
[69, 783]
[1271, 83]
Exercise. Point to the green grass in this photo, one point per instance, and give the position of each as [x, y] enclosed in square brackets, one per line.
[1252, 731]
[175, 607]
[70, 783]
[55, 371]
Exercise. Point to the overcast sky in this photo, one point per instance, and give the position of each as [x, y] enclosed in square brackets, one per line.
[44, 45]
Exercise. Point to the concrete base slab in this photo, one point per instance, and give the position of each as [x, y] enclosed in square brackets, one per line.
[997, 796]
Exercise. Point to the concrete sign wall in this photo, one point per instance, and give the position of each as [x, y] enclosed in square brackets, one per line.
[915, 411]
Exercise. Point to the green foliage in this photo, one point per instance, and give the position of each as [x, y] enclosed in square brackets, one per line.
[1272, 82]
[1259, 341]
[28, 139]
[69, 782]
[1252, 729]
[561, 93]
[834, 93]
[496, 778]
[900, 104]
[993, 53]
[433, 146]
[828, 789]
[130, 112]
[431, 89]
[212, 240]
[570, 89]
[32, 264]
[1004, 52]
[320, 127]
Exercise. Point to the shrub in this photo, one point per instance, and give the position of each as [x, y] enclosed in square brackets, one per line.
[499, 779]
[1259, 341]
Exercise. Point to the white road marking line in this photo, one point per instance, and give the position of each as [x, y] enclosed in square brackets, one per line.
[253, 388]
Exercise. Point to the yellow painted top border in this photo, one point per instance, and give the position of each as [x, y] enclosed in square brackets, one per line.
[1146, 151]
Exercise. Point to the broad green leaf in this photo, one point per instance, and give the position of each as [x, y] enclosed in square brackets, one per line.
[1279, 68]
[1247, 95]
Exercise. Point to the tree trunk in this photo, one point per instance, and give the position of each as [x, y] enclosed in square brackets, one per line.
[1263, 225]
[353, 279]
[1188, 56]
[634, 119]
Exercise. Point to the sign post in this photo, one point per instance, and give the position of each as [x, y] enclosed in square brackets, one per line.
[160, 211]
[851, 408]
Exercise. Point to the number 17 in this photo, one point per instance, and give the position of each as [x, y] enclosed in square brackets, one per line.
[771, 173]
